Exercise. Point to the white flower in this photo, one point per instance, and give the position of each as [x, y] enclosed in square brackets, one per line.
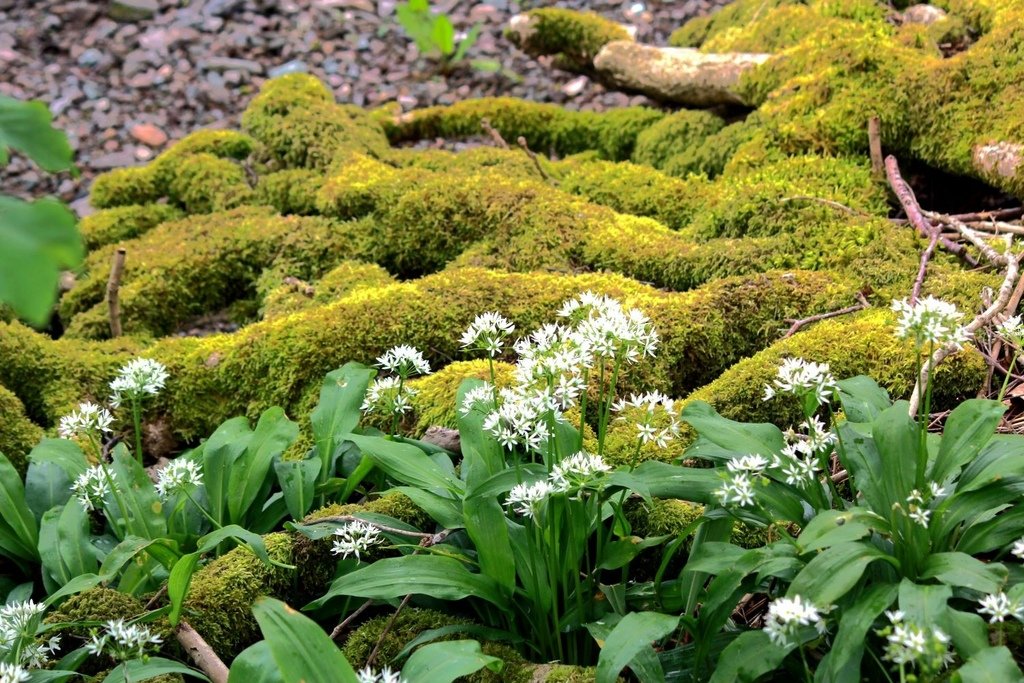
[653, 404]
[1018, 549]
[910, 644]
[179, 475]
[998, 606]
[801, 378]
[930, 321]
[895, 616]
[135, 379]
[800, 472]
[937, 490]
[386, 675]
[404, 360]
[578, 470]
[920, 515]
[611, 332]
[388, 395]
[786, 616]
[122, 641]
[19, 622]
[92, 486]
[1012, 330]
[522, 418]
[488, 333]
[354, 538]
[753, 464]
[527, 499]
[12, 673]
[738, 490]
[89, 419]
[477, 397]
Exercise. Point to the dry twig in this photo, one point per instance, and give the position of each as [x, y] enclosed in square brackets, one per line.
[113, 292]
[201, 653]
[875, 146]
[521, 141]
[340, 628]
[926, 256]
[798, 323]
[495, 135]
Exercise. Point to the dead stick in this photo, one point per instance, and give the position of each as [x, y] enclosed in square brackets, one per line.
[521, 141]
[387, 627]
[827, 202]
[926, 256]
[201, 653]
[875, 146]
[340, 628]
[797, 324]
[113, 292]
[495, 135]
[909, 202]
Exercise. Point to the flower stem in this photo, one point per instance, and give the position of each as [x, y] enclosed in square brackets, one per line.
[137, 421]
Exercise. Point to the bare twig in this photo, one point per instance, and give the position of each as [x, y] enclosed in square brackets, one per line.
[926, 255]
[875, 146]
[913, 210]
[155, 600]
[387, 627]
[798, 323]
[201, 653]
[993, 257]
[995, 214]
[495, 135]
[113, 292]
[521, 141]
[340, 628]
[826, 202]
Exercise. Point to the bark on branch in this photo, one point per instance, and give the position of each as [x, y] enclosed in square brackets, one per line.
[201, 653]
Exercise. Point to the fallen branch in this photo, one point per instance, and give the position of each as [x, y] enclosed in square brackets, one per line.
[340, 628]
[913, 210]
[113, 292]
[201, 653]
[798, 323]
[521, 141]
[485, 124]
[926, 256]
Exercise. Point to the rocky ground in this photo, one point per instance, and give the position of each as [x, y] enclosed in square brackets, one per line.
[124, 87]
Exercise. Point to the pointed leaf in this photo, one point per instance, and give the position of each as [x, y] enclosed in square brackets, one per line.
[301, 649]
[444, 662]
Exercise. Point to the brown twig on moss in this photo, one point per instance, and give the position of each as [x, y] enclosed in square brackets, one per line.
[926, 256]
[913, 210]
[521, 141]
[114, 290]
[798, 323]
[827, 202]
[201, 653]
[493, 132]
[340, 628]
[875, 146]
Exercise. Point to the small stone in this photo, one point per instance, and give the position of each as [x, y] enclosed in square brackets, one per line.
[133, 10]
[148, 134]
[143, 153]
[90, 57]
[923, 14]
[575, 86]
[293, 67]
[226, 63]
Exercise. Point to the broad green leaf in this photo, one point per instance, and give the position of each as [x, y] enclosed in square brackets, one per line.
[255, 664]
[998, 460]
[444, 510]
[219, 454]
[924, 604]
[144, 516]
[46, 486]
[748, 657]
[860, 457]
[696, 484]
[482, 456]
[297, 479]
[994, 533]
[835, 571]
[251, 540]
[178, 583]
[862, 399]
[434, 634]
[633, 634]
[842, 662]
[896, 438]
[66, 454]
[273, 434]
[487, 527]
[444, 578]
[962, 570]
[443, 35]
[17, 520]
[337, 413]
[136, 670]
[968, 631]
[991, 665]
[408, 464]
[64, 544]
[968, 429]
[737, 437]
[37, 241]
[832, 527]
[303, 652]
[444, 662]
[27, 127]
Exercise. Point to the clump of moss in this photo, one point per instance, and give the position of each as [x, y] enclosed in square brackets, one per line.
[777, 29]
[123, 222]
[204, 183]
[732, 16]
[710, 156]
[435, 404]
[575, 36]
[292, 191]
[287, 298]
[124, 186]
[279, 97]
[673, 135]
[361, 184]
[18, 435]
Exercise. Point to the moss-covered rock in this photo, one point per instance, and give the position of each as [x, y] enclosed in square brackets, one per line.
[674, 134]
[109, 226]
[288, 297]
[18, 434]
[576, 37]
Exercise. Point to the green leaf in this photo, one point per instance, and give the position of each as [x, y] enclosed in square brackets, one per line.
[991, 665]
[832, 527]
[408, 464]
[736, 437]
[298, 482]
[337, 413]
[482, 456]
[968, 631]
[443, 35]
[924, 604]
[303, 652]
[835, 571]
[46, 486]
[968, 429]
[444, 662]
[962, 570]
[26, 127]
[251, 540]
[862, 399]
[632, 635]
[255, 664]
[444, 578]
[273, 434]
[748, 657]
[466, 43]
[696, 484]
[177, 584]
[64, 547]
[219, 454]
[896, 437]
[63, 453]
[37, 240]
[144, 516]
[487, 527]
[17, 524]
[137, 670]
[842, 662]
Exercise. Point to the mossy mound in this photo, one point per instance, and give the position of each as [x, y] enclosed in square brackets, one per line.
[18, 434]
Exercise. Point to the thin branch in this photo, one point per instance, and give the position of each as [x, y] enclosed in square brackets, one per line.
[926, 255]
[340, 628]
[993, 257]
[913, 210]
[995, 214]
[521, 141]
[387, 628]
[201, 653]
[826, 202]
[113, 292]
[798, 323]
[155, 600]
[875, 146]
[495, 135]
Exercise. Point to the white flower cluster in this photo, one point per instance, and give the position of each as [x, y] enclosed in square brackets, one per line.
[740, 477]
[19, 622]
[607, 330]
[656, 407]
[92, 486]
[385, 675]
[354, 538]
[179, 475]
[1012, 330]
[122, 641]
[917, 504]
[389, 396]
[89, 420]
[478, 398]
[930, 321]
[136, 379]
[786, 616]
[998, 606]
[803, 450]
[911, 644]
[12, 673]
[405, 361]
[802, 378]
[577, 473]
[488, 333]
[1018, 549]
[521, 418]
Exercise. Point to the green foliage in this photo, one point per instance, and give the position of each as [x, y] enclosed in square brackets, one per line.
[434, 34]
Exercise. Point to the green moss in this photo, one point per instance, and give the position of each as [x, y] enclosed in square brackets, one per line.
[204, 183]
[735, 15]
[776, 29]
[290, 192]
[18, 435]
[109, 226]
[287, 298]
[512, 163]
[279, 97]
[125, 186]
[674, 135]
[710, 155]
[671, 517]
[435, 404]
[575, 36]
[361, 184]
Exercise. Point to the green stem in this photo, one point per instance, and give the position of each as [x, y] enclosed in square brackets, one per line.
[605, 408]
[215, 523]
[395, 414]
[137, 421]
[118, 498]
[1006, 380]
[807, 668]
